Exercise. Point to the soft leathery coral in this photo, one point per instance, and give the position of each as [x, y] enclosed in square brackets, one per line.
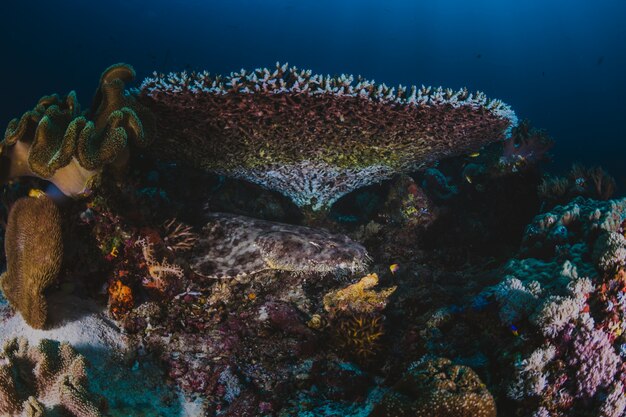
[57, 142]
[34, 380]
[311, 137]
[34, 249]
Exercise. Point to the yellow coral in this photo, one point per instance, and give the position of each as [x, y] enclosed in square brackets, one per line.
[120, 299]
[358, 297]
[359, 335]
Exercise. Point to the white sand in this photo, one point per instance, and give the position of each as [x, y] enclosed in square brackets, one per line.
[131, 388]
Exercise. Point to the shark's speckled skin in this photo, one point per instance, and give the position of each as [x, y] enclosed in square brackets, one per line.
[234, 246]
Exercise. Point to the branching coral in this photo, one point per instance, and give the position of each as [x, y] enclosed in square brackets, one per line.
[315, 138]
[437, 388]
[35, 380]
[178, 236]
[233, 246]
[359, 335]
[34, 248]
[158, 272]
[56, 142]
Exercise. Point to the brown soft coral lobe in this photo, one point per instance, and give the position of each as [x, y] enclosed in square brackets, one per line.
[34, 249]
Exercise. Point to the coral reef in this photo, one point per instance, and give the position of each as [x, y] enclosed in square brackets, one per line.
[527, 146]
[566, 294]
[593, 182]
[38, 379]
[315, 138]
[407, 205]
[236, 246]
[437, 388]
[56, 142]
[34, 250]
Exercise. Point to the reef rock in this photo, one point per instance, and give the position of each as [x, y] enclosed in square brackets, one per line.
[311, 137]
[234, 246]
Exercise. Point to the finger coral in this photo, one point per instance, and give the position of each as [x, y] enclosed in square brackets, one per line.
[34, 249]
[44, 380]
[233, 246]
[315, 138]
[437, 388]
[57, 142]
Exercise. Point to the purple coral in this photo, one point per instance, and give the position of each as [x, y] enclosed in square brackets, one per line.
[596, 360]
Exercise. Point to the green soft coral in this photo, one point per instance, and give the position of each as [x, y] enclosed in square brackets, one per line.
[57, 142]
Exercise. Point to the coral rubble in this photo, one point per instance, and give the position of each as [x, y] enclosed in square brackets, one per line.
[34, 250]
[315, 138]
[236, 246]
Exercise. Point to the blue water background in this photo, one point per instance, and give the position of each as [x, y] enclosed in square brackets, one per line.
[560, 64]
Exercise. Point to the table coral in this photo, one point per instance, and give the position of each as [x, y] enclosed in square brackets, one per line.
[315, 138]
[57, 142]
[437, 388]
[236, 246]
[34, 248]
[37, 379]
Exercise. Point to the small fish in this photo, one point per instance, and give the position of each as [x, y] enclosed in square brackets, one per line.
[474, 155]
[394, 268]
[514, 330]
[468, 179]
[35, 192]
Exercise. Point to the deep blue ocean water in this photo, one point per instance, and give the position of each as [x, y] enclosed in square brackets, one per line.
[560, 64]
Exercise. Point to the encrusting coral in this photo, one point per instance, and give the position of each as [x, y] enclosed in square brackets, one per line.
[34, 249]
[315, 138]
[437, 388]
[56, 142]
[35, 380]
[232, 246]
